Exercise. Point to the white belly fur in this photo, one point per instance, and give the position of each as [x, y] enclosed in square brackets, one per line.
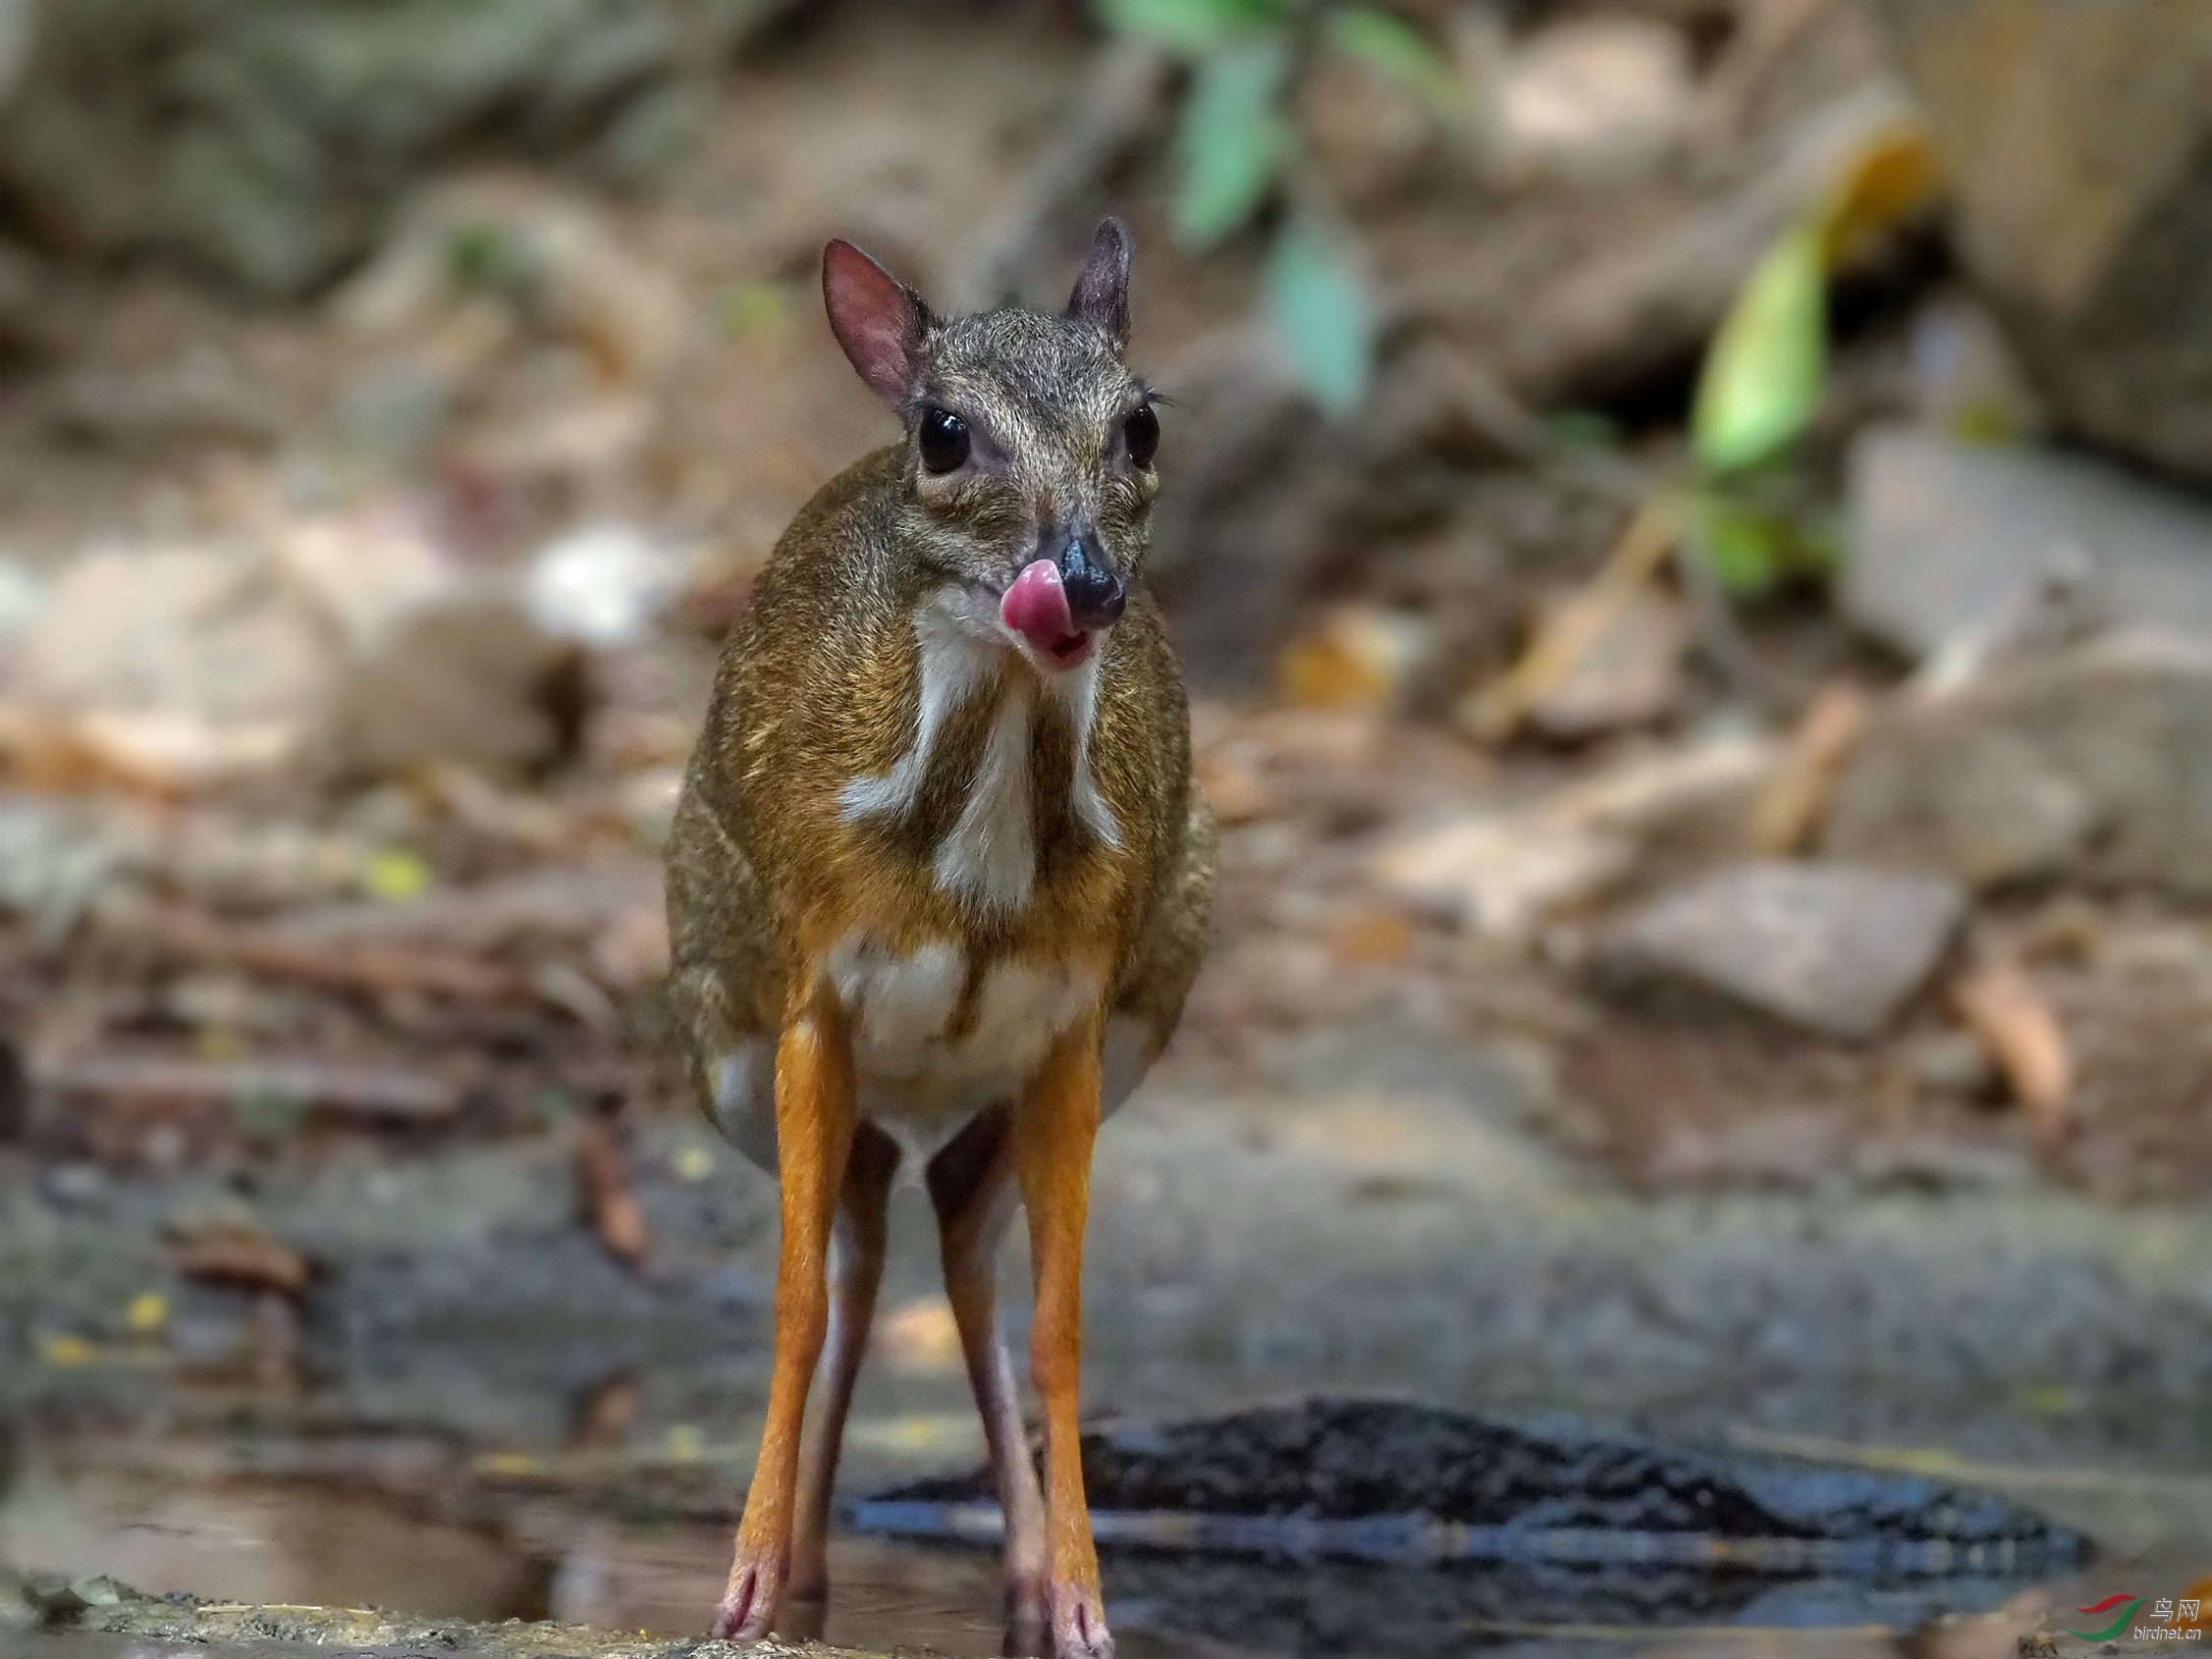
[919, 1084]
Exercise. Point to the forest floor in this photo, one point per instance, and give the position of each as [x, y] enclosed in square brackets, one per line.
[349, 654]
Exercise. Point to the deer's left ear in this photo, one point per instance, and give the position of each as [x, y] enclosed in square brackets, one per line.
[1101, 286]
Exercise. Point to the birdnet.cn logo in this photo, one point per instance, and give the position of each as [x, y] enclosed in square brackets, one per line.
[2166, 1621]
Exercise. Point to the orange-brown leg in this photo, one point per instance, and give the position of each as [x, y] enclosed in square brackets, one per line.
[814, 1131]
[972, 1185]
[1054, 1129]
[856, 1269]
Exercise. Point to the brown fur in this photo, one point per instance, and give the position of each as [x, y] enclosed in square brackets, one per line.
[820, 685]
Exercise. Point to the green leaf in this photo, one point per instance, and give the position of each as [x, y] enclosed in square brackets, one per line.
[1768, 364]
[1752, 548]
[1191, 25]
[1233, 141]
[1396, 50]
[1742, 550]
[1322, 314]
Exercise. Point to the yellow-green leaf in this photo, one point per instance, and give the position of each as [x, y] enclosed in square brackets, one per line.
[394, 875]
[1767, 367]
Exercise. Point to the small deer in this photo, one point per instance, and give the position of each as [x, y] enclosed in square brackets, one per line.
[939, 884]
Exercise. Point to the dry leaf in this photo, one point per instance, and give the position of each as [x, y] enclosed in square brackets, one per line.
[1493, 713]
[243, 1260]
[609, 1204]
[1379, 940]
[1358, 657]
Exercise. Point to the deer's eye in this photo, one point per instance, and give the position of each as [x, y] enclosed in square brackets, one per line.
[1141, 432]
[943, 440]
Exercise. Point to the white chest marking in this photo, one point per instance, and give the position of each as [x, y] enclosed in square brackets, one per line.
[958, 661]
[1078, 693]
[917, 1075]
[989, 857]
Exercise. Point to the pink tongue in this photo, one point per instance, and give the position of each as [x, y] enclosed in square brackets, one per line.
[1036, 607]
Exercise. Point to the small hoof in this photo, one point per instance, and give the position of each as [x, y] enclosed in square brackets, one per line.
[748, 1605]
[1079, 1627]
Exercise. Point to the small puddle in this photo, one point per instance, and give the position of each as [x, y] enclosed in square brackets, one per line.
[409, 1534]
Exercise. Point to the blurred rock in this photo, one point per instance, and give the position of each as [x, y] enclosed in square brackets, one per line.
[439, 661]
[2078, 143]
[1593, 100]
[1833, 950]
[1501, 874]
[344, 646]
[465, 677]
[264, 143]
[1630, 675]
[185, 665]
[2084, 764]
[1504, 871]
[1951, 542]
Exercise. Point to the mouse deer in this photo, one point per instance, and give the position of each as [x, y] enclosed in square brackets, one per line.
[939, 884]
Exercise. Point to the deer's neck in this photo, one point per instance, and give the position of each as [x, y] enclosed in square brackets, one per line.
[1001, 757]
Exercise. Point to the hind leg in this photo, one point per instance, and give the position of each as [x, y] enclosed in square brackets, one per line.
[856, 1269]
[971, 1183]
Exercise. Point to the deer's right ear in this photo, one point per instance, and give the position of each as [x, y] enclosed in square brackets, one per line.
[878, 319]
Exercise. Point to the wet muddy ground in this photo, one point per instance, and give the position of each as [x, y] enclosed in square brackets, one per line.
[300, 1540]
[474, 1414]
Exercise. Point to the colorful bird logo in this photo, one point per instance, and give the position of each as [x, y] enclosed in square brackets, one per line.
[2124, 1602]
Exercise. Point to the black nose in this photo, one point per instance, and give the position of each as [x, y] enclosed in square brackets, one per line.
[1094, 594]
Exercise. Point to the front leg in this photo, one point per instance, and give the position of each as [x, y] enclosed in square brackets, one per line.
[814, 1131]
[1053, 1130]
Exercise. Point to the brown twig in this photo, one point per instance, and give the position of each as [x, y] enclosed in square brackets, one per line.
[374, 969]
[386, 1091]
[1794, 800]
[2002, 1007]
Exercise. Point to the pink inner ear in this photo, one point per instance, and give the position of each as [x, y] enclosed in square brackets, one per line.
[876, 319]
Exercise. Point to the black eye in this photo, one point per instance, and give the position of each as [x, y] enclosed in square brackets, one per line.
[1141, 432]
[943, 440]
